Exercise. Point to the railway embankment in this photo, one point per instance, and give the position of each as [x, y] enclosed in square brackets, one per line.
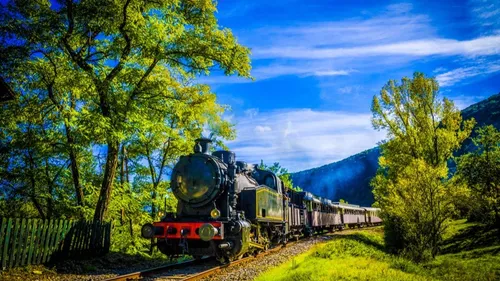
[469, 252]
[115, 264]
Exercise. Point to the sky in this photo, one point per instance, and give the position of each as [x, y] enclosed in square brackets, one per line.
[317, 65]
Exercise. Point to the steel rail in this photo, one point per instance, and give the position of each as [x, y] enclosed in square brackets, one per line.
[156, 270]
[211, 271]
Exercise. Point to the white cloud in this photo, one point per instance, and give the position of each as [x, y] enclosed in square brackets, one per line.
[303, 138]
[331, 73]
[393, 24]
[400, 8]
[251, 112]
[457, 75]
[382, 39]
[486, 15]
[462, 101]
[303, 69]
[262, 129]
[439, 69]
[489, 45]
[347, 90]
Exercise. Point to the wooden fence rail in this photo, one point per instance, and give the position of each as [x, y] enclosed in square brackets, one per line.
[36, 241]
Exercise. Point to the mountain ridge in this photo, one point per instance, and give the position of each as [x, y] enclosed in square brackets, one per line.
[349, 178]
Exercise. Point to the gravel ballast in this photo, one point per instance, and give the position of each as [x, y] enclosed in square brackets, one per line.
[252, 269]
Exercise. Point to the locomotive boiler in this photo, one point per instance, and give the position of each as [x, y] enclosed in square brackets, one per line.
[225, 209]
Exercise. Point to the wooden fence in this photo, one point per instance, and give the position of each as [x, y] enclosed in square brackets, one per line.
[35, 241]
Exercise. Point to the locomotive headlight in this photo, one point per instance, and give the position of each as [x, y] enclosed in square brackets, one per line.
[207, 232]
[215, 214]
[148, 231]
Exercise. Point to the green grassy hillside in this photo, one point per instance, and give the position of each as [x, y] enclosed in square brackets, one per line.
[470, 252]
[349, 178]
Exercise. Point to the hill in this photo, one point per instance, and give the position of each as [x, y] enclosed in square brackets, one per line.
[469, 253]
[349, 178]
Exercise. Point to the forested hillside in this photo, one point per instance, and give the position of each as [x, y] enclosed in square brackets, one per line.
[349, 178]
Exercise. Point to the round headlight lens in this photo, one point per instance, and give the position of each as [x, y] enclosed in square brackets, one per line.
[148, 231]
[215, 214]
[207, 232]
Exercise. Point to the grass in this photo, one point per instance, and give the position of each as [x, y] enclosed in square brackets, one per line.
[470, 252]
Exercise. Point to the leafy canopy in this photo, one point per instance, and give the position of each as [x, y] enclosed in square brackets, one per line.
[108, 100]
[480, 171]
[411, 185]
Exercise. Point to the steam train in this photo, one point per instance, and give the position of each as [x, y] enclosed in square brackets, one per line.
[228, 208]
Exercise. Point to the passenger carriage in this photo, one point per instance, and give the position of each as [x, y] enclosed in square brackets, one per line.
[297, 213]
[352, 215]
[373, 216]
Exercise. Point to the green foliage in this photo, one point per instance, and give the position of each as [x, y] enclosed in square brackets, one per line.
[412, 185]
[282, 173]
[113, 73]
[480, 171]
[363, 256]
[108, 101]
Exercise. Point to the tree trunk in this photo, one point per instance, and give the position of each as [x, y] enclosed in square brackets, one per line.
[38, 207]
[107, 182]
[74, 167]
[154, 211]
[122, 165]
[497, 216]
[71, 141]
[50, 185]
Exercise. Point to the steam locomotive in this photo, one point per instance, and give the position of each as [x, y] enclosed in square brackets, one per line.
[228, 208]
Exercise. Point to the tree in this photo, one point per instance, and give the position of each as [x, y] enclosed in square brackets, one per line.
[480, 170]
[171, 131]
[282, 173]
[129, 55]
[411, 185]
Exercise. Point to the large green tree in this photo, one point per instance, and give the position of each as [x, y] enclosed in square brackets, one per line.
[412, 186]
[480, 170]
[101, 66]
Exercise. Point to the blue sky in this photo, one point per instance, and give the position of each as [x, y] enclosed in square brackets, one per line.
[317, 65]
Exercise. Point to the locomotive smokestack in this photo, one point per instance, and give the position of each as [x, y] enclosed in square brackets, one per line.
[202, 145]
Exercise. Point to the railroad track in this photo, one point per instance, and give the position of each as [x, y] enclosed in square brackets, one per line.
[206, 267]
[199, 269]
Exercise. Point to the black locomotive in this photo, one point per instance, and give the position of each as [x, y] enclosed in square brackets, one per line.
[229, 208]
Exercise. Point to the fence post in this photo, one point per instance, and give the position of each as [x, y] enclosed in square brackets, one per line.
[34, 241]
[14, 239]
[6, 244]
[34, 230]
[27, 239]
[20, 244]
[3, 228]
